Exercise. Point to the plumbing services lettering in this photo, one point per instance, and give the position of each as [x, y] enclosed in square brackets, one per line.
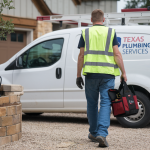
[133, 45]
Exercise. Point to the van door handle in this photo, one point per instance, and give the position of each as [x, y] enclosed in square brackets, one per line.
[58, 73]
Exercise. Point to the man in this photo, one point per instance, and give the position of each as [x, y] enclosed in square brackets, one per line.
[100, 58]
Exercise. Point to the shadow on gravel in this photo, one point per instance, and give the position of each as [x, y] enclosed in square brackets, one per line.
[114, 122]
[64, 119]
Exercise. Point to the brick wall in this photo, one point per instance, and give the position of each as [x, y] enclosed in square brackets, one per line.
[10, 114]
[42, 28]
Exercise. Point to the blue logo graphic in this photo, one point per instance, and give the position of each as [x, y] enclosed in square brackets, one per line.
[119, 41]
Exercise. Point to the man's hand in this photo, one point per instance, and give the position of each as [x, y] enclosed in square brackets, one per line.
[79, 82]
[124, 77]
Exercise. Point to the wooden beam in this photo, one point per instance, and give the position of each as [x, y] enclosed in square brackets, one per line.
[77, 2]
[97, 0]
[42, 7]
[90, 0]
[24, 22]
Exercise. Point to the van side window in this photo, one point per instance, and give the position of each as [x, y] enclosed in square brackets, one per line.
[43, 54]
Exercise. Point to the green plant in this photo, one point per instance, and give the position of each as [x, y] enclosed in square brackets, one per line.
[137, 4]
[6, 27]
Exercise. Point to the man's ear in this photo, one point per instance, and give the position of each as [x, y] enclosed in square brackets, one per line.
[104, 20]
[91, 20]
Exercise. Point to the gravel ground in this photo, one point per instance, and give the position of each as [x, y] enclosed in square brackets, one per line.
[69, 131]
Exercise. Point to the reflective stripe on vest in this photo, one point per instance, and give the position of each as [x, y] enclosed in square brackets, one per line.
[99, 52]
[100, 64]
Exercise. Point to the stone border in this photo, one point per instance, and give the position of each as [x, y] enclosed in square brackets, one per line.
[10, 114]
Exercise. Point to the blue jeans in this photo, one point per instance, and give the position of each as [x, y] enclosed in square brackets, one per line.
[99, 122]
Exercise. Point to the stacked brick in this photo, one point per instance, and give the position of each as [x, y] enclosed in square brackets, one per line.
[10, 113]
[43, 28]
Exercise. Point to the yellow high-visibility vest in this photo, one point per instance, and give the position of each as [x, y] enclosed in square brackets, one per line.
[98, 52]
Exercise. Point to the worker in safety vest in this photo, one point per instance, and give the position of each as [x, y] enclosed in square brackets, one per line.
[100, 59]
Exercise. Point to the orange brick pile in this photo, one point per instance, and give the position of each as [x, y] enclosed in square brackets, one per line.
[10, 114]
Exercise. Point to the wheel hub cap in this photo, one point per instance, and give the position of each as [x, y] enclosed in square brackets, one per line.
[139, 115]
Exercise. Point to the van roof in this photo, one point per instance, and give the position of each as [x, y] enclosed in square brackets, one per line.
[133, 29]
[63, 31]
[121, 29]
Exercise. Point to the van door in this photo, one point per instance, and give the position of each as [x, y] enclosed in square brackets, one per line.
[42, 75]
[74, 98]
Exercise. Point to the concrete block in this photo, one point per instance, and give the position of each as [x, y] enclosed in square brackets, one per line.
[12, 88]
[1, 88]
[18, 98]
[21, 126]
[13, 93]
[11, 110]
[5, 140]
[4, 100]
[2, 131]
[8, 93]
[2, 111]
[11, 130]
[19, 109]
[15, 137]
[18, 128]
[16, 119]
[19, 93]
[19, 135]
[21, 116]
[13, 98]
[6, 121]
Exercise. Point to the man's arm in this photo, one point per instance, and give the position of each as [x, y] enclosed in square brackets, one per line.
[79, 80]
[80, 62]
[119, 61]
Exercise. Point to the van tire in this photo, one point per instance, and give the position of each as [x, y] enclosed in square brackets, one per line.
[145, 114]
[33, 114]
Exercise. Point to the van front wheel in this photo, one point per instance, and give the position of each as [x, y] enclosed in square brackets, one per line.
[142, 118]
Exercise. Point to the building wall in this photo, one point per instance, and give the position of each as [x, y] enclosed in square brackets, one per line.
[62, 6]
[105, 6]
[68, 7]
[23, 8]
[26, 9]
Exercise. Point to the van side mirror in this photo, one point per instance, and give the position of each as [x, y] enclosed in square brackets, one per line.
[19, 62]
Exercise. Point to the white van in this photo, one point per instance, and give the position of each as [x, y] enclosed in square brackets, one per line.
[47, 70]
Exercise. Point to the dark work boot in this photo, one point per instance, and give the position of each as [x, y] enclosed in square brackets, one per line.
[92, 138]
[102, 141]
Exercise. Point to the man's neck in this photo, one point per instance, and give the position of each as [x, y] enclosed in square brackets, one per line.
[100, 23]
